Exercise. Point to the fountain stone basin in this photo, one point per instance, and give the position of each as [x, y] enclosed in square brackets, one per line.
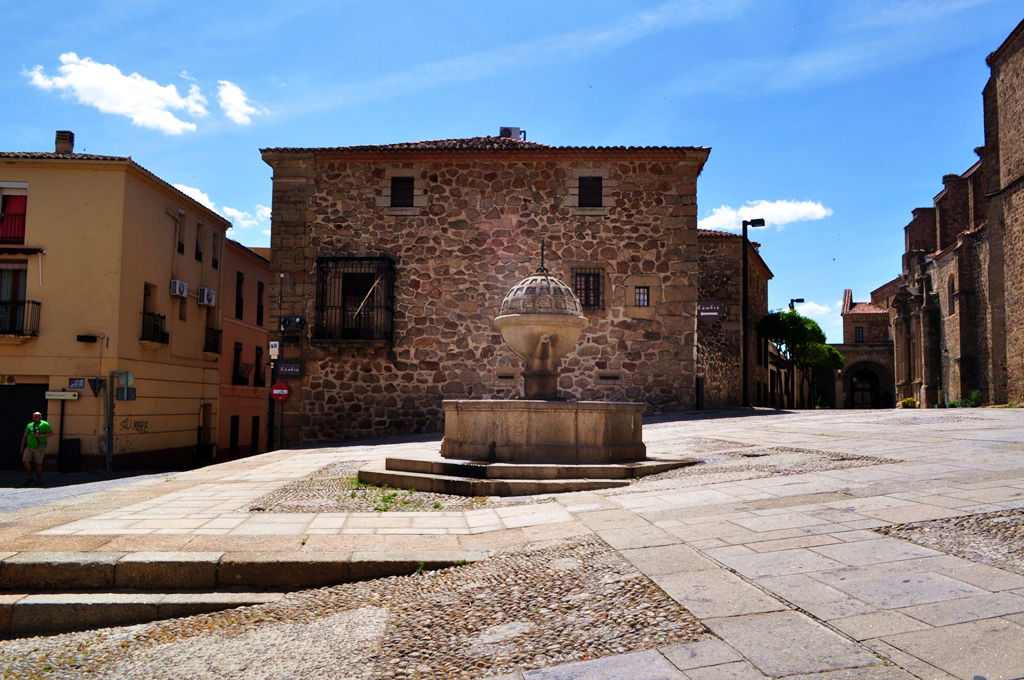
[535, 431]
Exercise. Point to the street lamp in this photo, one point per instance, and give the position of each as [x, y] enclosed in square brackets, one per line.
[756, 222]
[793, 301]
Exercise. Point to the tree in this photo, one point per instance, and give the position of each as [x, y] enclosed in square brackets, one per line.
[801, 342]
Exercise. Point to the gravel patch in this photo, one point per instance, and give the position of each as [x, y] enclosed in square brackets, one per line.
[532, 606]
[750, 463]
[993, 538]
[334, 488]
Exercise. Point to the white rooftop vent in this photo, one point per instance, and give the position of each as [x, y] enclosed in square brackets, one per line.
[512, 132]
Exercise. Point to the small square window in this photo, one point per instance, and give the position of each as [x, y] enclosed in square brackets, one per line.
[402, 192]
[590, 192]
[587, 284]
[642, 296]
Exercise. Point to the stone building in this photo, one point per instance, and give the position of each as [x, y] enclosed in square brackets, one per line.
[957, 313]
[719, 322]
[866, 379]
[392, 261]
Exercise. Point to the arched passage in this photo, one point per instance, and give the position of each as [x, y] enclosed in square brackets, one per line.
[868, 385]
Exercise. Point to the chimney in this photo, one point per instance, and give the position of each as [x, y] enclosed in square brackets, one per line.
[65, 142]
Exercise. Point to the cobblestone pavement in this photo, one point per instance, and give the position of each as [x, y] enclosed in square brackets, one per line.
[783, 565]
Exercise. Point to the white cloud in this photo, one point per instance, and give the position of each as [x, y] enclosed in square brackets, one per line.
[197, 195]
[235, 103]
[813, 309]
[774, 213]
[145, 102]
[247, 220]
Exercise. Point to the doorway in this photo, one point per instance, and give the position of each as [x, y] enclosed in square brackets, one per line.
[17, 404]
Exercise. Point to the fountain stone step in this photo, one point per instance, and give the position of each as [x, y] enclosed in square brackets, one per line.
[468, 478]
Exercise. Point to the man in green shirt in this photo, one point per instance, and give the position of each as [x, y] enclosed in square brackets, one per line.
[33, 447]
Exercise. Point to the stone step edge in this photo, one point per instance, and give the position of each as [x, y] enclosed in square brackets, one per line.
[165, 570]
[531, 471]
[465, 486]
[28, 614]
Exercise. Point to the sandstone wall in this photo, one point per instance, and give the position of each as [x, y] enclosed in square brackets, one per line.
[475, 232]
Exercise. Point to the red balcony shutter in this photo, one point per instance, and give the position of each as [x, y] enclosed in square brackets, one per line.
[12, 227]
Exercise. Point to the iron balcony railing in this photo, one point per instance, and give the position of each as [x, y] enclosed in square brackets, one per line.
[153, 328]
[19, 317]
[211, 342]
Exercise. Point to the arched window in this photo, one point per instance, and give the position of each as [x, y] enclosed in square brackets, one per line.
[951, 292]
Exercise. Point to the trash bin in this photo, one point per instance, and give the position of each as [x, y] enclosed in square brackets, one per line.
[69, 457]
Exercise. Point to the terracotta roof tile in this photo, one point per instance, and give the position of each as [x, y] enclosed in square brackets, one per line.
[472, 144]
[48, 155]
[866, 308]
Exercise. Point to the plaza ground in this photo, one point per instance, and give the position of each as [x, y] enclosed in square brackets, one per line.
[775, 558]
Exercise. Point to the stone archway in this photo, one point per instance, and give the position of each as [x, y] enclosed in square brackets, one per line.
[867, 384]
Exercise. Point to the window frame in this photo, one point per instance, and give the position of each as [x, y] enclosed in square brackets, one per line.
[586, 296]
[341, 318]
[403, 191]
[590, 191]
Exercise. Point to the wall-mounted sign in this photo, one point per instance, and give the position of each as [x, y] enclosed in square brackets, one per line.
[275, 348]
[76, 383]
[62, 395]
[289, 367]
[708, 310]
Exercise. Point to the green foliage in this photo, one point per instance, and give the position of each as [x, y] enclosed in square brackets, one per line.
[791, 332]
[909, 402]
[972, 400]
[821, 356]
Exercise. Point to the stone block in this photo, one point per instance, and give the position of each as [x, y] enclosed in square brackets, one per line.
[157, 570]
[283, 570]
[51, 570]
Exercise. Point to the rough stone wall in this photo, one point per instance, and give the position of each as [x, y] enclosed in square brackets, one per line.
[952, 210]
[719, 337]
[476, 232]
[920, 232]
[1004, 128]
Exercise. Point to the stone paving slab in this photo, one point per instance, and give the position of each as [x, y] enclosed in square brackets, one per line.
[966, 609]
[649, 665]
[716, 593]
[787, 643]
[992, 649]
[894, 592]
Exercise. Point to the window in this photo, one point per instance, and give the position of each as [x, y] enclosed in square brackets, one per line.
[858, 334]
[239, 300]
[199, 241]
[239, 371]
[214, 250]
[254, 436]
[12, 218]
[402, 192]
[951, 290]
[18, 316]
[259, 303]
[590, 192]
[183, 309]
[233, 437]
[588, 288]
[258, 372]
[179, 230]
[642, 296]
[354, 298]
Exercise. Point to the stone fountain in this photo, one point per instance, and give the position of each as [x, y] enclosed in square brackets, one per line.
[540, 443]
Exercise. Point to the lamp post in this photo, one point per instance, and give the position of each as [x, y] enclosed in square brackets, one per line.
[793, 301]
[756, 222]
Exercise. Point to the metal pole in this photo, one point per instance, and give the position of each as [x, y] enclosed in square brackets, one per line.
[745, 319]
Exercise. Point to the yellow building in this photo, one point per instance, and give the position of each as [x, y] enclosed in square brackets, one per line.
[109, 283]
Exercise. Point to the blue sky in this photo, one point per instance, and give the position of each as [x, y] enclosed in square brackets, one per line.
[830, 118]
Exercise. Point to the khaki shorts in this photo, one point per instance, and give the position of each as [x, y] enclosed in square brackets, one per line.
[35, 455]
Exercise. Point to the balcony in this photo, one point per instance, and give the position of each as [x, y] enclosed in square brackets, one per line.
[19, 320]
[211, 341]
[12, 228]
[153, 329]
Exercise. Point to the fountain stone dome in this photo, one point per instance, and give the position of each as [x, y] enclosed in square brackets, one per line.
[541, 320]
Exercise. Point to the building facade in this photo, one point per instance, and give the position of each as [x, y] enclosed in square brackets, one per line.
[867, 377]
[245, 318]
[102, 271]
[392, 262]
[719, 323]
[958, 313]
